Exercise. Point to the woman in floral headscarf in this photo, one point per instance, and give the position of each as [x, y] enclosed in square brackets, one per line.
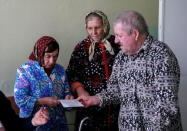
[90, 67]
[41, 82]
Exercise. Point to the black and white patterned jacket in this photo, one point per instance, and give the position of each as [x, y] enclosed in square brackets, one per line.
[146, 85]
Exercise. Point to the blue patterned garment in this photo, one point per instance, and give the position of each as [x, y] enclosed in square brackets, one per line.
[31, 83]
[146, 85]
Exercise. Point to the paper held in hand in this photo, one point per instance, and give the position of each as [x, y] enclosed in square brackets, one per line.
[71, 103]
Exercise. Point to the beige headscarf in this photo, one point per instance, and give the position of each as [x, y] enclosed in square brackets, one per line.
[105, 34]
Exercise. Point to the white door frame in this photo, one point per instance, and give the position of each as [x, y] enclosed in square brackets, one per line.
[161, 20]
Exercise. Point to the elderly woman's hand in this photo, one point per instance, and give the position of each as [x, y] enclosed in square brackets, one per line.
[48, 101]
[69, 97]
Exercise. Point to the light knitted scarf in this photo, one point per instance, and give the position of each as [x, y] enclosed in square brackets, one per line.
[106, 44]
[105, 35]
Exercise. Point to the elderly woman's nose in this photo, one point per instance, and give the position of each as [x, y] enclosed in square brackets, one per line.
[94, 31]
[52, 60]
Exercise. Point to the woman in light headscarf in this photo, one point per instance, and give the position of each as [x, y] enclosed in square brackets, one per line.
[41, 82]
[90, 67]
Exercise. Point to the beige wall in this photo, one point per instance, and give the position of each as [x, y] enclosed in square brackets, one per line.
[22, 22]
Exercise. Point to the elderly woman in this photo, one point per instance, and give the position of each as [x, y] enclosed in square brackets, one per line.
[41, 82]
[90, 67]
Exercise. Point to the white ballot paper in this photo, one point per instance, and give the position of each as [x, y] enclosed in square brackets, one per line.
[71, 103]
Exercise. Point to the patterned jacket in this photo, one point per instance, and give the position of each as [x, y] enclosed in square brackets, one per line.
[146, 85]
[32, 82]
[93, 76]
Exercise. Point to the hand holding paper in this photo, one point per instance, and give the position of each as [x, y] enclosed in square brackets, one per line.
[89, 100]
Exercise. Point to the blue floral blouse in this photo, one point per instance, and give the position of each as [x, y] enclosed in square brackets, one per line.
[32, 83]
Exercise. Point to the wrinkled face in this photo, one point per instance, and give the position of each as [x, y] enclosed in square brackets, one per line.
[127, 41]
[95, 29]
[50, 59]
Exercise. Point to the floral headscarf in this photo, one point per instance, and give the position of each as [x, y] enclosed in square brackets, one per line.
[39, 48]
[104, 40]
